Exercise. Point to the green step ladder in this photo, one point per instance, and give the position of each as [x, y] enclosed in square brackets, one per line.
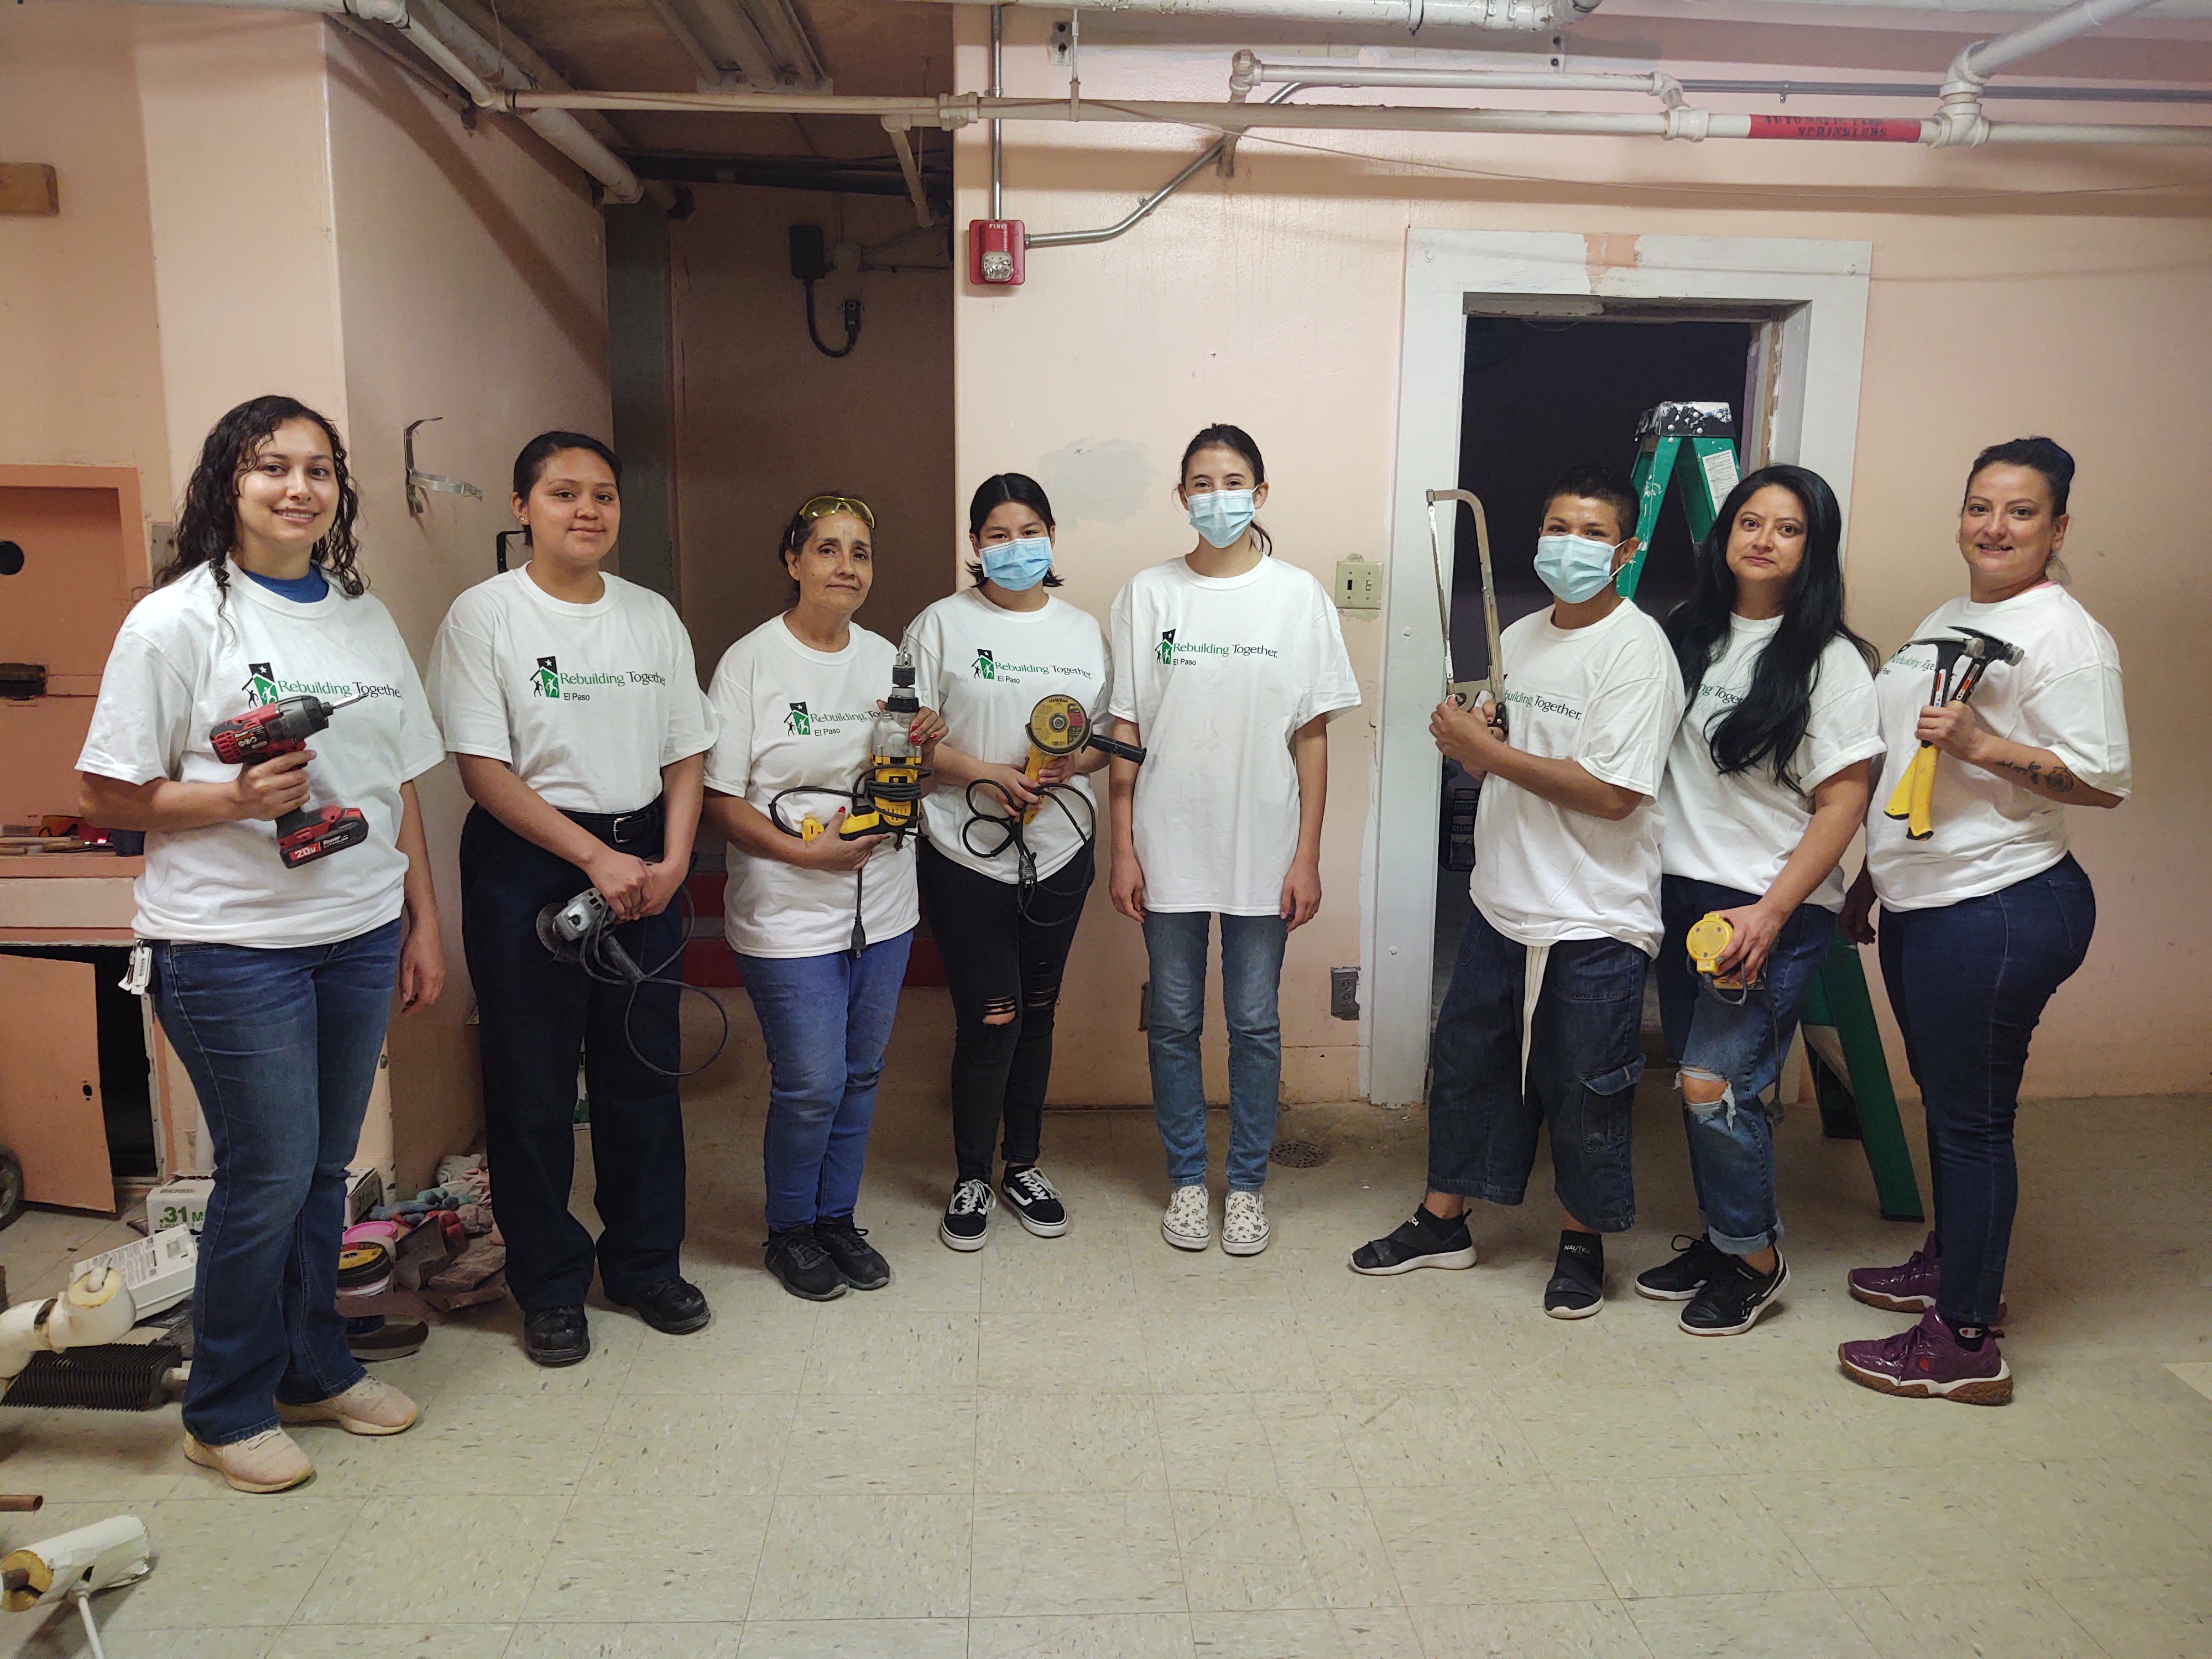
[1842, 1044]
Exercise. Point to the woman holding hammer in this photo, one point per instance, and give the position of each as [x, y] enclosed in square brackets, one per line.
[1984, 912]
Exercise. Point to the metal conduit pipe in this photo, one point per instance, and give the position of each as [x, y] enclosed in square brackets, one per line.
[1247, 69]
[394, 12]
[998, 151]
[1520, 16]
[953, 110]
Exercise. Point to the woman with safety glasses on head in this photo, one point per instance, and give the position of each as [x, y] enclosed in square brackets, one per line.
[820, 907]
[1227, 666]
[1006, 861]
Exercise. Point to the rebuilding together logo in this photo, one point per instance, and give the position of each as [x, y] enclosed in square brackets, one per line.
[799, 722]
[1172, 651]
[264, 686]
[547, 681]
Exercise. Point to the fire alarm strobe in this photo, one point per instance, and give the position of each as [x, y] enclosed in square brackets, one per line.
[994, 253]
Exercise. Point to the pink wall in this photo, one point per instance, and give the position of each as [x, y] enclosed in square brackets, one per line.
[2012, 292]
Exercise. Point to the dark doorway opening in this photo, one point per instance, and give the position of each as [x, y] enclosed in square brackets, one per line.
[1540, 395]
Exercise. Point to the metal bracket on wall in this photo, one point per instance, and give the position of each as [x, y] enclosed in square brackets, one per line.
[419, 482]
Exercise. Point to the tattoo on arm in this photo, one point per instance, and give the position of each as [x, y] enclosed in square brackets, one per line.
[2057, 779]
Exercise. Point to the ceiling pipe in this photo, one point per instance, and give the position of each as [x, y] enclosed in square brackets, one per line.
[1248, 69]
[1958, 115]
[673, 25]
[1520, 16]
[997, 89]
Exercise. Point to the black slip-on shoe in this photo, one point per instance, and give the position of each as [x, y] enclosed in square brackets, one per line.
[557, 1336]
[1423, 1241]
[674, 1307]
[1578, 1286]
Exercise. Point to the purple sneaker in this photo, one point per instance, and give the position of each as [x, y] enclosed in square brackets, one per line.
[1909, 1287]
[1927, 1363]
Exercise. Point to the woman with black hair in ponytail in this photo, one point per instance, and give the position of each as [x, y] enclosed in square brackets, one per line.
[272, 973]
[1766, 784]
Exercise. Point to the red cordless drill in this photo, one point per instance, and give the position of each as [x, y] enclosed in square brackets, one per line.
[283, 728]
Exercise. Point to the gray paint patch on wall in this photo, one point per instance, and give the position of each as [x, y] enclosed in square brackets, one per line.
[1097, 478]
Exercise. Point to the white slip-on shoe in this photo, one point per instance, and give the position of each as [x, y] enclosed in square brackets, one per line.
[368, 1407]
[1188, 1223]
[1244, 1224]
[264, 1462]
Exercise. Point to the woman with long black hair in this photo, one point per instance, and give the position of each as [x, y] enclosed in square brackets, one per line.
[272, 975]
[1766, 784]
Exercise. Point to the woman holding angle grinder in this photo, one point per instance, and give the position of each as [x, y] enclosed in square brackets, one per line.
[570, 699]
[1005, 862]
[260, 719]
[1227, 666]
[1764, 788]
[818, 785]
[1985, 912]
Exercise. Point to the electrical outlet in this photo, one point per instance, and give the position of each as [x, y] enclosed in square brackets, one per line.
[1344, 994]
[1358, 585]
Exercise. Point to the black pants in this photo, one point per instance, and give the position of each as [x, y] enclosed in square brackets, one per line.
[999, 962]
[535, 1013]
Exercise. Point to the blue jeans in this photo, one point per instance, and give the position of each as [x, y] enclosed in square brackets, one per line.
[1743, 1045]
[1585, 1054]
[826, 1021]
[282, 1048]
[1967, 982]
[1251, 971]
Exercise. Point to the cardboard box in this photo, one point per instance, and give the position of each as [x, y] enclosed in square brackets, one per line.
[159, 1270]
[181, 1203]
[364, 1192]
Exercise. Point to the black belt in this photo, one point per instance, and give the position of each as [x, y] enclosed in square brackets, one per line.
[621, 829]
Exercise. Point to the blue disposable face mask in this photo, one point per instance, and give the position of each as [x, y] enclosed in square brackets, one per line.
[1018, 565]
[1575, 568]
[1222, 515]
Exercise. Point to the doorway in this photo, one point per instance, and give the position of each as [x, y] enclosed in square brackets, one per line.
[1538, 395]
[1796, 388]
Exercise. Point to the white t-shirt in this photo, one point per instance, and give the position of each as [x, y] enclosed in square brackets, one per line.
[983, 668]
[1609, 697]
[792, 715]
[181, 665]
[585, 702]
[2064, 696]
[1218, 672]
[1740, 830]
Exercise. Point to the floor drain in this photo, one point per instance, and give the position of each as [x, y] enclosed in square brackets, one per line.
[1297, 1154]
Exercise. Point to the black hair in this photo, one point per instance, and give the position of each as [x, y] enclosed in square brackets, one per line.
[1592, 481]
[2037, 454]
[1768, 725]
[795, 531]
[998, 490]
[1238, 442]
[207, 523]
[530, 465]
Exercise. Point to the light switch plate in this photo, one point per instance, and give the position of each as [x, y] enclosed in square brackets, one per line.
[1358, 585]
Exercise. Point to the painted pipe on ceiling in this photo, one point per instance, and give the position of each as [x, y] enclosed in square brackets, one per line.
[1520, 16]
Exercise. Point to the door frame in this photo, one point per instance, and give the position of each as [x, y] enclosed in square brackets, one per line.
[1815, 291]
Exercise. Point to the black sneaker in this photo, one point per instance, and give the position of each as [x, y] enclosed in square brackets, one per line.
[1034, 1202]
[802, 1267]
[1578, 1286]
[967, 1221]
[1696, 1261]
[1733, 1298]
[557, 1336]
[1425, 1241]
[674, 1307]
[860, 1264]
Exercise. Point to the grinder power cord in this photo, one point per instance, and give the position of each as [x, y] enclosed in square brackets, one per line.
[1059, 726]
[582, 931]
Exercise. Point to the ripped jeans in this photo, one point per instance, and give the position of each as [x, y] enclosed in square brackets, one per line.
[1584, 1058]
[1742, 1044]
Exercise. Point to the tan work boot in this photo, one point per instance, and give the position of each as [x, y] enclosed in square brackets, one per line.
[267, 1461]
[367, 1408]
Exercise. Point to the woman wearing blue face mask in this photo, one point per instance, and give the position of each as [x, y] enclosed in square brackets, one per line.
[1004, 896]
[1227, 666]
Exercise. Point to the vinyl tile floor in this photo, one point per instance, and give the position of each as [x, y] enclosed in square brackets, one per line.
[1096, 1445]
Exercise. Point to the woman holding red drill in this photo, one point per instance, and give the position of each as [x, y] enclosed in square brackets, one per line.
[273, 982]
[1983, 917]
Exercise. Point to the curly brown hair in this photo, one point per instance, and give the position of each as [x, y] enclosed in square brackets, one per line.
[207, 525]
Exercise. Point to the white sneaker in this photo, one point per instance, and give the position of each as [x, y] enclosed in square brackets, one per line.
[1188, 1223]
[1244, 1224]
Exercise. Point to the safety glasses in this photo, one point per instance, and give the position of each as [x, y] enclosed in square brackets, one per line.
[821, 507]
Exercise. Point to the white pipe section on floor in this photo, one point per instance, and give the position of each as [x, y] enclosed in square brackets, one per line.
[1521, 16]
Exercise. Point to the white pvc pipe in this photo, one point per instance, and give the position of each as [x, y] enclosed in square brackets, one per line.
[1985, 58]
[1340, 74]
[394, 12]
[2061, 132]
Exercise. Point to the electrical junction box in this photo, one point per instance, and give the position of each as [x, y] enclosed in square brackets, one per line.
[994, 253]
[1358, 585]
